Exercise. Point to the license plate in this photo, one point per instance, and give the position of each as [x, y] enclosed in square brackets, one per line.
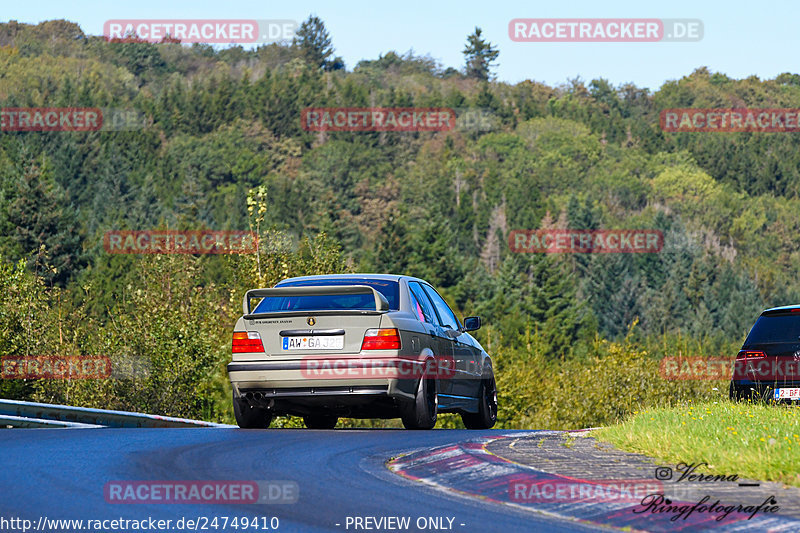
[787, 394]
[327, 342]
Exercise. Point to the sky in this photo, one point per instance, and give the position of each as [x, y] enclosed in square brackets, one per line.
[740, 39]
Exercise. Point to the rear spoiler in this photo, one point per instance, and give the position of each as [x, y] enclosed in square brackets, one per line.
[781, 311]
[381, 303]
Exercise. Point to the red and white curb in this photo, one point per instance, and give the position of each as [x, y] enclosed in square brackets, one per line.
[469, 469]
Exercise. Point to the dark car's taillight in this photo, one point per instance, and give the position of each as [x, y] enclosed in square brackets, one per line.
[381, 339]
[750, 354]
[247, 342]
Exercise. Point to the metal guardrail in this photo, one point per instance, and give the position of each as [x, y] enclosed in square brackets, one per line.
[30, 414]
[22, 422]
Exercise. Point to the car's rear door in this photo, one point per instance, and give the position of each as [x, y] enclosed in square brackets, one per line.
[466, 379]
[438, 342]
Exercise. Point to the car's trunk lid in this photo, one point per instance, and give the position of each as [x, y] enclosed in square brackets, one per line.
[296, 322]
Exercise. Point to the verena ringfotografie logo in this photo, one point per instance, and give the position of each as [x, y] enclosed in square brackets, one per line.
[378, 119]
[779, 120]
[553, 241]
[588, 30]
[659, 504]
[201, 491]
[585, 491]
[55, 367]
[442, 367]
[180, 242]
[208, 31]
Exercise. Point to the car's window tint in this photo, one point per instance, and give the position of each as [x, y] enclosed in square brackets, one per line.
[446, 316]
[775, 328]
[416, 308]
[418, 298]
[390, 289]
[312, 302]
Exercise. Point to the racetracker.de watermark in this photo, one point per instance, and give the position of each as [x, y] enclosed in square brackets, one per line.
[593, 30]
[28, 119]
[201, 492]
[314, 367]
[773, 120]
[552, 241]
[378, 119]
[180, 242]
[208, 31]
[724, 368]
[55, 367]
[581, 490]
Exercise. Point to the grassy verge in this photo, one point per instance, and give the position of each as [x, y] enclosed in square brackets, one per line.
[754, 441]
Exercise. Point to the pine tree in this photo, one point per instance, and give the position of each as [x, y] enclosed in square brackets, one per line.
[581, 217]
[40, 228]
[552, 299]
[479, 55]
[613, 290]
[392, 251]
[314, 43]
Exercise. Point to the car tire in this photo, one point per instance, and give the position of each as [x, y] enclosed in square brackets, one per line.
[320, 421]
[421, 412]
[248, 417]
[486, 417]
[739, 394]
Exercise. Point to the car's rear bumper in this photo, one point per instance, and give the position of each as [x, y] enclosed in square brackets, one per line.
[764, 384]
[761, 390]
[311, 379]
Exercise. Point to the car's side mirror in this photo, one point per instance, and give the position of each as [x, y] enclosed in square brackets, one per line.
[471, 323]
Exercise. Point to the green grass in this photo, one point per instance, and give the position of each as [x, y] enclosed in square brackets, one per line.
[751, 440]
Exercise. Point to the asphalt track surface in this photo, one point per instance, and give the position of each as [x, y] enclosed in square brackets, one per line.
[61, 474]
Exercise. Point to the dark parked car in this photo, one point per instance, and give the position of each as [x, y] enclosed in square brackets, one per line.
[358, 345]
[768, 365]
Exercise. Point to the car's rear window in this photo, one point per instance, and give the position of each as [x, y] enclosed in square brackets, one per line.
[775, 328]
[331, 302]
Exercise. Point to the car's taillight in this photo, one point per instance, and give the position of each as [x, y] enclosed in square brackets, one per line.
[749, 354]
[381, 339]
[247, 342]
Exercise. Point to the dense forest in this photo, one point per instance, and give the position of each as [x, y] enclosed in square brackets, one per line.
[219, 144]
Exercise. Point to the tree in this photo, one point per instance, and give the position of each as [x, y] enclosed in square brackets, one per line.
[613, 289]
[479, 55]
[314, 44]
[38, 226]
[581, 217]
[393, 248]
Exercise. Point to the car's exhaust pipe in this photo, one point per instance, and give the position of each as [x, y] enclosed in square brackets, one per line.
[258, 399]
